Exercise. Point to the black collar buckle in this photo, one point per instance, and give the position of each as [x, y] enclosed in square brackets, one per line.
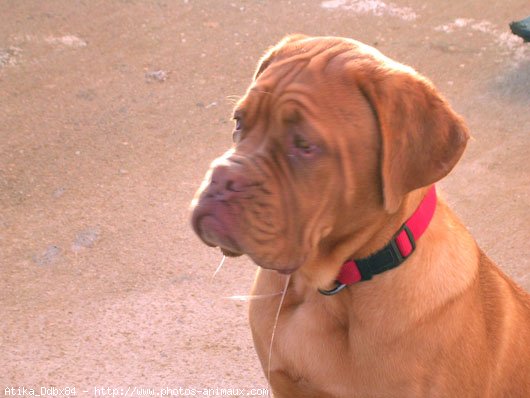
[396, 253]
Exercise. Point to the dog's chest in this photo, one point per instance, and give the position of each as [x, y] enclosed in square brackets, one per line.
[310, 352]
[315, 352]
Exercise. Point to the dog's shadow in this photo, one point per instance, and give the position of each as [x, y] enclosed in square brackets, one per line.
[514, 83]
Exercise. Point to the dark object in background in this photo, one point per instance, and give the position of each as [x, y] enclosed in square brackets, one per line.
[521, 28]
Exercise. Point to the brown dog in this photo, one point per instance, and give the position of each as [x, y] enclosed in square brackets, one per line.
[336, 147]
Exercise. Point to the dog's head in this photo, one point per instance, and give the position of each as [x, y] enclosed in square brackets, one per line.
[329, 139]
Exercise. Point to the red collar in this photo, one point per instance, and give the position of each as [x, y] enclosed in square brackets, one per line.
[396, 252]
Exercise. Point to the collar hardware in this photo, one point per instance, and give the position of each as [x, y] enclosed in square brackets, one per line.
[400, 250]
[338, 287]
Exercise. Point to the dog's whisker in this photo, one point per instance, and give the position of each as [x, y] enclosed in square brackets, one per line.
[218, 268]
[233, 99]
[253, 297]
[274, 329]
[261, 91]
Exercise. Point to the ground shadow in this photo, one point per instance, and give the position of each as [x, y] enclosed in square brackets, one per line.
[514, 82]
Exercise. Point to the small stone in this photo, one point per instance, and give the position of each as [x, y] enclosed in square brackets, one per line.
[86, 238]
[87, 95]
[49, 256]
[58, 192]
[68, 40]
[8, 55]
[156, 75]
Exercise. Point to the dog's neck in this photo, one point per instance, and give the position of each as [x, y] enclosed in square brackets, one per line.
[396, 294]
[322, 270]
[379, 234]
[393, 254]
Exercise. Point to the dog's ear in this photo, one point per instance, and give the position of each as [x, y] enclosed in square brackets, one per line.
[422, 137]
[272, 52]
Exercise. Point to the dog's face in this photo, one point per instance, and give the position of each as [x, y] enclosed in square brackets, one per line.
[329, 138]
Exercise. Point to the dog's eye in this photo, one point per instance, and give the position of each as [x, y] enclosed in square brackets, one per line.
[303, 148]
[303, 145]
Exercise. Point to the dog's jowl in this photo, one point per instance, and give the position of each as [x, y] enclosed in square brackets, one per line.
[330, 184]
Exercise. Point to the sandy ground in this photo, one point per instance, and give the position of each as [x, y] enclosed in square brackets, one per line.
[110, 112]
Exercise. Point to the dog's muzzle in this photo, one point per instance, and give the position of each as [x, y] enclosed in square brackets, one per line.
[218, 211]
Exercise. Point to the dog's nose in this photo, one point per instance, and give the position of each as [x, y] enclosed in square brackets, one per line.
[226, 182]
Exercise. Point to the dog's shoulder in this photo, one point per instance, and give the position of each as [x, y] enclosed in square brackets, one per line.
[494, 283]
[506, 308]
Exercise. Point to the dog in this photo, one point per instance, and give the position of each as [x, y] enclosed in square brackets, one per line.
[330, 189]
